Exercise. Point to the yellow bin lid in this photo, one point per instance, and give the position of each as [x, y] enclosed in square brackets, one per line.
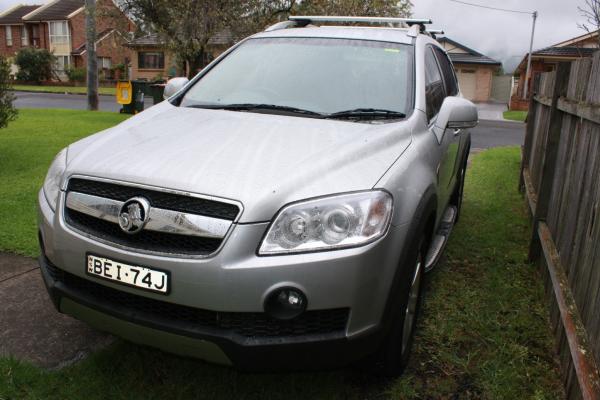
[124, 92]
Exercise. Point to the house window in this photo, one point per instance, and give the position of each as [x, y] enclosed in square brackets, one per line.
[151, 60]
[8, 35]
[35, 35]
[62, 63]
[104, 62]
[59, 32]
[24, 36]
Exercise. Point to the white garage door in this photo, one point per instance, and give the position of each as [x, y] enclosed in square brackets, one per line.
[468, 82]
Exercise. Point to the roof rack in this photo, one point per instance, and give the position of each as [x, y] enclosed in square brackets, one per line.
[434, 32]
[304, 20]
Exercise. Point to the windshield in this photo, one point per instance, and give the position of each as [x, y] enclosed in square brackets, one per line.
[318, 75]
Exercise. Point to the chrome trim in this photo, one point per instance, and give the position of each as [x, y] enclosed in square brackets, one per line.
[159, 189]
[159, 220]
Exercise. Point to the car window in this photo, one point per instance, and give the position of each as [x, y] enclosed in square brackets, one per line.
[447, 72]
[435, 92]
[317, 74]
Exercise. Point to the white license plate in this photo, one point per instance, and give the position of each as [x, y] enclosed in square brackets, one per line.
[131, 275]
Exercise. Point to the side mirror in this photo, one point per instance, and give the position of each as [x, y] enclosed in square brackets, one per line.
[174, 85]
[455, 113]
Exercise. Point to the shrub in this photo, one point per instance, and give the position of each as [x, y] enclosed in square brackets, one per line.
[35, 65]
[7, 110]
[76, 74]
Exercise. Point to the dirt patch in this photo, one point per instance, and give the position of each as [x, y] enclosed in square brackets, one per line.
[30, 328]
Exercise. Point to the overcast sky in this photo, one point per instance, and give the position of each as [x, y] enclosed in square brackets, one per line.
[500, 35]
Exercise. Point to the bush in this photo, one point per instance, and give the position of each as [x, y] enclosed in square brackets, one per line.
[35, 65]
[7, 111]
[76, 74]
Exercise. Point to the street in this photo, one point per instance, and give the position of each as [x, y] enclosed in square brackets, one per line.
[489, 133]
[69, 101]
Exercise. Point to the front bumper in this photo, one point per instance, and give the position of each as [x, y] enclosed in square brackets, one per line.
[234, 282]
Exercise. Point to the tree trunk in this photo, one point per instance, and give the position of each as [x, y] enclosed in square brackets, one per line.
[92, 62]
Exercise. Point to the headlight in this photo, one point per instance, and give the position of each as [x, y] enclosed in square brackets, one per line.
[329, 223]
[53, 178]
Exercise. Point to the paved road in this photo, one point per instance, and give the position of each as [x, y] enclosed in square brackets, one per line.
[487, 134]
[70, 101]
[497, 133]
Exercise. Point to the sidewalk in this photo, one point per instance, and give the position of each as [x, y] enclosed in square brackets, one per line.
[30, 328]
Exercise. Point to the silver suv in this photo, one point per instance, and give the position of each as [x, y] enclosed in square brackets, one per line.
[278, 211]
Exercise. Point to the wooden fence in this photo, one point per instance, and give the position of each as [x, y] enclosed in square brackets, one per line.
[560, 175]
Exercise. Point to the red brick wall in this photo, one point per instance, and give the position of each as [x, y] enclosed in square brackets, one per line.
[10, 51]
[109, 16]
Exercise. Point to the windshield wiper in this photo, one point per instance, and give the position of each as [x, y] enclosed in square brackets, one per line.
[367, 113]
[253, 107]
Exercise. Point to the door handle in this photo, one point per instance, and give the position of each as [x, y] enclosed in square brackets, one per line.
[457, 132]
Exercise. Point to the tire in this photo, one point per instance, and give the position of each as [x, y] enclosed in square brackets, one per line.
[457, 197]
[392, 358]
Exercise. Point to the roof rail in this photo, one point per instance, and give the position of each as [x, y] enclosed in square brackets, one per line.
[304, 20]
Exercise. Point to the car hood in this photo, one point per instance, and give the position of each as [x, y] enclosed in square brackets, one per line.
[264, 161]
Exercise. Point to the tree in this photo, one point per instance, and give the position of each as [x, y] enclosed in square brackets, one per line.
[591, 13]
[186, 26]
[379, 8]
[35, 65]
[7, 111]
[92, 60]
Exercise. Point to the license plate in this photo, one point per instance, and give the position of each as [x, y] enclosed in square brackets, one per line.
[126, 274]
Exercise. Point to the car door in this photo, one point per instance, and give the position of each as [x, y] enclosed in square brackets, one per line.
[435, 93]
[458, 136]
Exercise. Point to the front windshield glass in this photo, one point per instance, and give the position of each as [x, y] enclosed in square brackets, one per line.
[315, 74]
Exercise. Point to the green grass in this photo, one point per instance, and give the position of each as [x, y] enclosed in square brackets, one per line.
[27, 147]
[63, 89]
[515, 115]
[484, 332]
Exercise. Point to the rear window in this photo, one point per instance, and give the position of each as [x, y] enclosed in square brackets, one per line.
[317, 74]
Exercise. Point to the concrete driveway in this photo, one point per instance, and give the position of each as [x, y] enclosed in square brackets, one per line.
[491, 111]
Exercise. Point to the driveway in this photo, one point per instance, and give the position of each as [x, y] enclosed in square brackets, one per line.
[491, 111]
[69, 101]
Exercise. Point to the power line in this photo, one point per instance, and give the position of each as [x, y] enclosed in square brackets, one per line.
[491, 8]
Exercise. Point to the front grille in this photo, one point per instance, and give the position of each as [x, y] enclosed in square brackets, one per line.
[246, 324]
[168, 201]
[160, 242]
[149, 241]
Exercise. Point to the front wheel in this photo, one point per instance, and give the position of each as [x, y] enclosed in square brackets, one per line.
[457, 197]
[394, 354]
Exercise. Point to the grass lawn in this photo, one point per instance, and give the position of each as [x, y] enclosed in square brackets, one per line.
[484, 332]
[63, 89]
[515, 115]
[27, 148]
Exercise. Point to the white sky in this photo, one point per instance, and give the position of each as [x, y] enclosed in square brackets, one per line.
[501, 35]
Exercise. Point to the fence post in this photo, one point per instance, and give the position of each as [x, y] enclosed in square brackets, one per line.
[529, 132]
[554, 129]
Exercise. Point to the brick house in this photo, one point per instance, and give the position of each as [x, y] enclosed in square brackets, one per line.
[474, 70]
[152, 60]
[59, 26]
[546, 59]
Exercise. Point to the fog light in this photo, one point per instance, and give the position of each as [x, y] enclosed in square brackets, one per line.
[285, 303]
